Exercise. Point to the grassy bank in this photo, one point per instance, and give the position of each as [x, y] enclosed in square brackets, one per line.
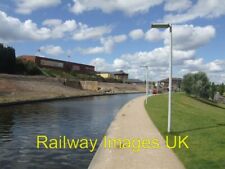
[202, 122]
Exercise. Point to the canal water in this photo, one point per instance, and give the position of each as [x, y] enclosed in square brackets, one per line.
[76, 118]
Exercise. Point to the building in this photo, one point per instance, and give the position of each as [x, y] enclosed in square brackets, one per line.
[57, 64]
[176, 84]
[105, 75]
[120, 75]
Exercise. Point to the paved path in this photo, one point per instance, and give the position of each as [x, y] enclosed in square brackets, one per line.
[132, 121]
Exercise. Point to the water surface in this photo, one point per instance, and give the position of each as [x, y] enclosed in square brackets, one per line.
[76, 118]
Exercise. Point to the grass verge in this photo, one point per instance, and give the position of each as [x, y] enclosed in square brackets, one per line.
[204, 124]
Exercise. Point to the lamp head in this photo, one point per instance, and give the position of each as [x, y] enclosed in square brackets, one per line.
[160, 25]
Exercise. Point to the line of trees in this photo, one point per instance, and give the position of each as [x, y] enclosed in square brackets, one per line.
[11, 65]
[7, 59]
[198, 85]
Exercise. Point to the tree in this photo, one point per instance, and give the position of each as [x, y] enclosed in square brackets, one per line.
[187, 83]
[7, 59]
[196, 84]
[212, 90]
[221, 89]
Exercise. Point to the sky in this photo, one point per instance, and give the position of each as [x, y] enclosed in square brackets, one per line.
[116, 34]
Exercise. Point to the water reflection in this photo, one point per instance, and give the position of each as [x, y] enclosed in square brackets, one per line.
[83, 117]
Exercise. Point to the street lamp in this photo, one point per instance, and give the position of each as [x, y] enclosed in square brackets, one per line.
[146, 82]
[165, 26]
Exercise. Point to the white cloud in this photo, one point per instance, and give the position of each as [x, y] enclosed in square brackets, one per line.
[52, 22]
[177, 5]
[214, 69]
[27, 6]
[51, 29]
[107, 43]
[202, 9]
[13, 29]
[154, 35]
[101, 65]
[185, 37]
[52, 50]
[157, 57]
[136, 34]
[119, 38]
[77, 31]
[183, 61]
[59, 28]
[188, 37]
[216, 66]
[84, 32]
[119, 64]
[132, 63]
[129, 7]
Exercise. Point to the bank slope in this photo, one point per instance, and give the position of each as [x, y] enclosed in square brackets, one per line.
[204, 124]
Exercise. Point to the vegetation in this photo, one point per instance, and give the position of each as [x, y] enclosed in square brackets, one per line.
[71, 75]
[76, 75]
[221, 89]
[196, 84]
[7, 59]
[26, 68]
[212, 90]
[203, 123]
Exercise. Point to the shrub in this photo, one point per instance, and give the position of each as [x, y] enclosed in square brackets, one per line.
[27, 68]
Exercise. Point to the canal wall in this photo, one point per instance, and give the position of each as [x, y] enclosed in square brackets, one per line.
[17, 89]
[89, 85]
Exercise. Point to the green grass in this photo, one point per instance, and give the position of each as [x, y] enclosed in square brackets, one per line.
[203, 123]
[220, 105]
[70, 75]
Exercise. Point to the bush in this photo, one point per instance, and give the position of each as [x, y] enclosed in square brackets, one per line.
[27, 68]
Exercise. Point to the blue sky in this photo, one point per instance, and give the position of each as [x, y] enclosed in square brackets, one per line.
[116, 34]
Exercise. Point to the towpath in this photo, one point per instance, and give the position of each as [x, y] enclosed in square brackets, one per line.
[132, 121]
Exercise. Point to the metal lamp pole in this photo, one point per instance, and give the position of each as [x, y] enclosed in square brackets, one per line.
[146, 83]
[165, 26]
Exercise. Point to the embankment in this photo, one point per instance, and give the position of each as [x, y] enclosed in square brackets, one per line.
[16, 89]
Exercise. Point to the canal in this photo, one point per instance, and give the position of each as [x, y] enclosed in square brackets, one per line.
[75, 118]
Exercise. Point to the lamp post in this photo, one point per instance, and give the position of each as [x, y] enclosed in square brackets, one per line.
[165, 26]
[146, 83]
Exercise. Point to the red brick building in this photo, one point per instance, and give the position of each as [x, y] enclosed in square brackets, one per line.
[57, 64]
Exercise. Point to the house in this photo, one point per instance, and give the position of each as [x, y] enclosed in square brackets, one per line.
[120, 75]
[105, 75]
[164, 84]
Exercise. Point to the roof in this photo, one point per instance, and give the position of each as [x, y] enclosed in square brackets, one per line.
[120, 73]
[54, 60]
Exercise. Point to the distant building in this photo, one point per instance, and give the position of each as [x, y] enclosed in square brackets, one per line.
[105, 75]
[57, 64]
[120, 75]
[176, 84]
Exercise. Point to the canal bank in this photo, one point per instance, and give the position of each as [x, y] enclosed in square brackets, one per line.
[132, 122]
[18, 89]
[81, 95]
